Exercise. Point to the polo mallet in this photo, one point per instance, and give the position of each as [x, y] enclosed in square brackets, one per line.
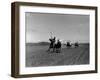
[51, 34]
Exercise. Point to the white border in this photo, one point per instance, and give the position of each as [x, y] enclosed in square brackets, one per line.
[36, 70]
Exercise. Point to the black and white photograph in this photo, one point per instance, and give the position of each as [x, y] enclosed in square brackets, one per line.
[57, 39]
[52, 39]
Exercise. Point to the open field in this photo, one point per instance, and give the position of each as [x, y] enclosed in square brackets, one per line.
[38, 56]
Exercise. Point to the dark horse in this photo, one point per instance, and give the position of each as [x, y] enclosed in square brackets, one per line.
[68, 45]
[52, 43]
[57, 47]
[76, 44]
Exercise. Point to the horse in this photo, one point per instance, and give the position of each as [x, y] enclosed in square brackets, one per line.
[57, 47]
[52, 43]
[76, 44]
[68, 45]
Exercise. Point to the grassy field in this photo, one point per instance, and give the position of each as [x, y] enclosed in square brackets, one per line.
[38, 56]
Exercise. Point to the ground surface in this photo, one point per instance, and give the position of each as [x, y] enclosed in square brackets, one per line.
[38, 56]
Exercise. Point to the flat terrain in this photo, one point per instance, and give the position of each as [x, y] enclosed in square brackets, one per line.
[38, 56]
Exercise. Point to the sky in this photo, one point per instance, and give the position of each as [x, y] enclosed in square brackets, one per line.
[63, 26]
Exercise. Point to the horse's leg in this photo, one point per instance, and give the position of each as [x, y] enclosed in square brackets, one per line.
[53, 47]
[59, 50]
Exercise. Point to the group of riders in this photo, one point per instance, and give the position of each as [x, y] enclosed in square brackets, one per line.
[55, 45]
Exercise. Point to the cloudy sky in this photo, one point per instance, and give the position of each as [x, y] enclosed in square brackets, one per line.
[64, 27]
